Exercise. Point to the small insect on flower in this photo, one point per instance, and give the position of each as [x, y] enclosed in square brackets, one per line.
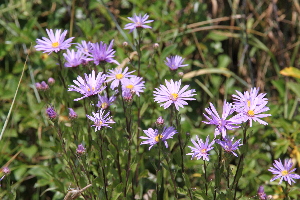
[56, 42]
[138, 22]
[284, 171]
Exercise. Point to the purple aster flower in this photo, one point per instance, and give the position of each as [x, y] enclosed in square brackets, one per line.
[100, 120]
[201, 149]
[222, 124]
[80, 149]
[101, 53]
[72, 114]
[118, 76]
[134, 84]
[228, 146]
[153, 136]
[56, 42]
[92, 85]
[171, 93]
[51, 113]
[173, 62]
[284, 171]
[104, 102]
[241, 101]
[74, 58]
[138, 22]
[84, 46]
[261, 193]
[253, 111]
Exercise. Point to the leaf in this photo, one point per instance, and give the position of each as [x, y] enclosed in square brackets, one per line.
[168, 50]
[291, 71]
[294, 87]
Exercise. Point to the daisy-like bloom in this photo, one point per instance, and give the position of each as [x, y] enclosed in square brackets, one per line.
[56, 42]
[242, 101]
[72, 114]
[101, 53]
[153, 136]
[229, 146]
[117, 76]
[171, 93]
[100, 120]
[92, 85]
[173, 62]
[201, 149]
[222, 124]
[284, 171]
[104, 102]
[80, 149]
[138, 22]
[252, 112]
[261, 193]
[134, 84]
[84, 46]
[74, 58]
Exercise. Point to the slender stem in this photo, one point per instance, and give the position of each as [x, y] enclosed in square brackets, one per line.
[205, 176]
[172, 176]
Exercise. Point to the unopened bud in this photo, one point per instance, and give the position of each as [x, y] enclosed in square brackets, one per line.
[38, 86]
[160, 121]
[261, 193]
[51, 113]
[125, 44]
[80, 149]
[51, 81]
[72, 114]
[180, 74]
[155, 45]
[5, 170]
[44, 85]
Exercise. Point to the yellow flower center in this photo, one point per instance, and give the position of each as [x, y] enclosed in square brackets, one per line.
[119, 76]
[284, 173]
[138, 24]
[129, 86]
[248, 103]
[89, 89]
[98, 123]
[250, 113]
[158, 137]
[104, 105]
[174, 96]
[55, 44]
[203, 151]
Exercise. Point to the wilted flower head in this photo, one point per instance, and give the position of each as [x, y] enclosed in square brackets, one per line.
[153, 136]
[228, 145]
[104, 102]
[134, 84]
[100, 120]
[51, 113]
[80, 149]
[101, 53]
[138, 22]
[56, 42]
[284, 171]
[74, 59]
[171, 93]
[51, 81]
[201, 149]
[5, 170]
[72, 114]
[261, 193]
[221, 123]
[117, 76]
[92, 85]
[174, 62]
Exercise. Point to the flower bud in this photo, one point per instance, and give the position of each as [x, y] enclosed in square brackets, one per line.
[80, 149]
[180, 74]
[38, 86]
[155, 45]
[5, 170]
[51, 81]
[44, 85]
[51, 113]
[159, 122]
[72, 114]
[261, 193]
[125, 44]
